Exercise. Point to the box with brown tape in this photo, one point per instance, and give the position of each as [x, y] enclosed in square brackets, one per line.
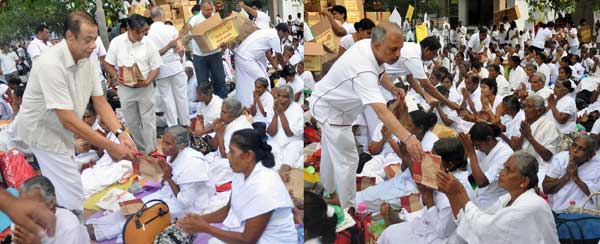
[313, 55]
[324, 34]
[243, 26]
[213, 33]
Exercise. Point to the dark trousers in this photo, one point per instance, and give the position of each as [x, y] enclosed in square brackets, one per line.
[211, 66]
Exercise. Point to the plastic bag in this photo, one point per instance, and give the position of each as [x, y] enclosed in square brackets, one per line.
[15, 169]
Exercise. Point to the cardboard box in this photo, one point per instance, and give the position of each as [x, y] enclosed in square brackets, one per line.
[167, 9]
[512, 14]
[355, 9]
[312, 18]
[424, 172]
[324, 35]
[315, 5]
[161, 2]
[213, 33]
[178, 23]
[313, 55]
[187, 12]
[139, 9]
[131, 75]
[243, 26]
[130, 207]
[378, 17]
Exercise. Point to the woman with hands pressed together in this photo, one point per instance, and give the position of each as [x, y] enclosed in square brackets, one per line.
[260, 208]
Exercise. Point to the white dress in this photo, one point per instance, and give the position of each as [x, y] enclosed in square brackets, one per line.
[528, 220]
[545, 132]
[491, 165]
[289, 150]
[565, 104]
[588, 172]
[261, 192]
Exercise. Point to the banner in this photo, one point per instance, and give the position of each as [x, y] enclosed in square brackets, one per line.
[421, 31]
[409, 12]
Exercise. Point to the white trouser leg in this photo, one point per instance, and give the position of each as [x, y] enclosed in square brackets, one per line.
[179, 90]
[342, 157]
[164, 87]
[62, 170]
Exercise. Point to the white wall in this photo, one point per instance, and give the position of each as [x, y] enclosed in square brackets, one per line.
[289, 7]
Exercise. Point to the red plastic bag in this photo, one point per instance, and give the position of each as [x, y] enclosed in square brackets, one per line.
[15, 169]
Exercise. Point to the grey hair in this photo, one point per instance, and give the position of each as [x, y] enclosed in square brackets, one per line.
[43, 184]
[379, 32]
[541, 75]
[533, 66]
[205, 2]
[180, 135]
[156, 12]
[262, 81]
[538, 101]
[233, 106]
[591, 144]
[289, 91]
[527, 165]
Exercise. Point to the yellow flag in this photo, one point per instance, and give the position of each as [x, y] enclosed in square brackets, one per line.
[409, 12]
[421, 31]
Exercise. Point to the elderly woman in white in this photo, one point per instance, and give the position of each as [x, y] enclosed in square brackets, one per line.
[540, 136]
[573, 174]
[486, 162]
[520, 216]
[262, 105]
[435, 222]
[561, 106]
[260, 208]
[286, 130]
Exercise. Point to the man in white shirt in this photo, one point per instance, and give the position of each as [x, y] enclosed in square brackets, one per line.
[40, 43]
[337, 18]
[137, 101]
[8, 63]
[207, 64]
[479, 44]
[171, 80]
[68, 227]
[260, 18]
[251, 59]
[58, 90]
[351, 83]
[542, 35]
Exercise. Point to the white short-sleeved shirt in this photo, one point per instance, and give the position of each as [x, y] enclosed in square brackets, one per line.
[262, 20]
[309, 80]
[122, 52]
[410, 62]
[56, 82]
[8, 62]
[161, 34]
[268, 102]
[255, 45]
[123, 14]
[68, 229]
[573, 42]
[140, 2]
[541, 37]
[349, 27]
[98, 52]
[37, 47]
[347, 41]
[295, 117]
[210, 111]
[477, 45]
[351, 83]
[565, 104]
[193, 21]
[587, 172]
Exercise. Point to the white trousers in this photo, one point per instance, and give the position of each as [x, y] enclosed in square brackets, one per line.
[140, 116]
[339, 161]
[173, 91]
[247, 71]
[62, 170]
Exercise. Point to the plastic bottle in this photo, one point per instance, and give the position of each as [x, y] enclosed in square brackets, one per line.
[361, 211]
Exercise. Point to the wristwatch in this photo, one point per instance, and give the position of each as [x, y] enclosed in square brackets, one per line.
[119, 131]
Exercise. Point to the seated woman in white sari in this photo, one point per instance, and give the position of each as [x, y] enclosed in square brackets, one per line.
[260, 208]
[510, 119]
[573, 174]
[262, 105]
[384, 148]
[486, 157]
[208, 108]
[435, 223]
[68, 228]
[231, 120]
[187, 184]
[402, 184]
[84, 152]
[539, 135]
[286, 130]
[561, 106]
[521, 216]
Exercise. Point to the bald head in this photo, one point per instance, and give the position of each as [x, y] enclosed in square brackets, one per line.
[157, 13]
[386, 42]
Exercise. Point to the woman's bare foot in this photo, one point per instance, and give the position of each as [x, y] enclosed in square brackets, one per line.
[389, 215]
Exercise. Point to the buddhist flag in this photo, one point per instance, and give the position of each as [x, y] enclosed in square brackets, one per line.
[421, 31]
[409, 12]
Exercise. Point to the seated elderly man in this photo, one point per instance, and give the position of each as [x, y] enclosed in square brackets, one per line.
[208, 108]
[262, 105]
[573, 174]
[540, 136]
[286, 130]
[520, 216]
[68, 227]
[187, 185]
[231, 120]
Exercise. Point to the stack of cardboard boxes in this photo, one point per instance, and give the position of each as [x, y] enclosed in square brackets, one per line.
[177, 11]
